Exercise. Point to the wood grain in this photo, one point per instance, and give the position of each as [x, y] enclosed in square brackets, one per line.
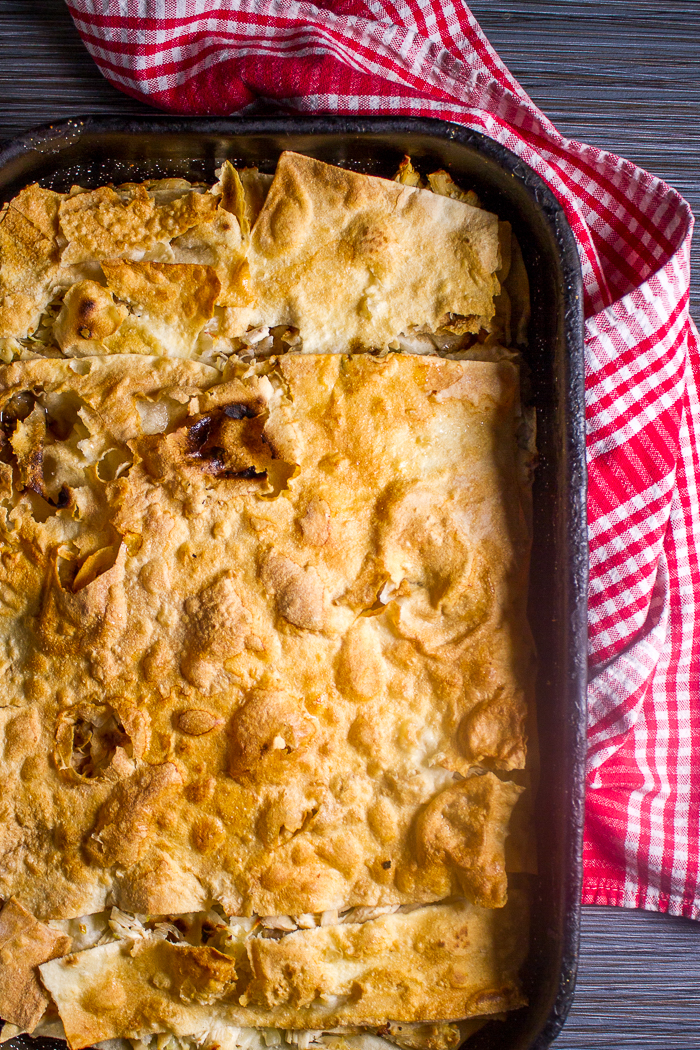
[639, 983]
[623, 76]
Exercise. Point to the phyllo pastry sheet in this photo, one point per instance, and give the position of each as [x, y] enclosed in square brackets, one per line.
[353, 261]
[254, 656]
[24, 944]
[448, 961]
[315, 258]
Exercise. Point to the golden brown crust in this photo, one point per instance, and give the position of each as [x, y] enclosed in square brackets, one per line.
[124, 820]
[332, 633]
[173, 302]
[265, 640]
[440, 963]
[464, 828]
[29, 258]
[88, 316]
[353, 261]
[222, 243]
[24, 944]
[137, 990]
[107, 224]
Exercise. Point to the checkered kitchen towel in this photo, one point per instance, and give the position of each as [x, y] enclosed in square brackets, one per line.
[429, 58]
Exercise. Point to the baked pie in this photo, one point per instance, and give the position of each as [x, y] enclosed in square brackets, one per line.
[265, 479]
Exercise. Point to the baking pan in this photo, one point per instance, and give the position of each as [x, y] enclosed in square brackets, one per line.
[96, 151]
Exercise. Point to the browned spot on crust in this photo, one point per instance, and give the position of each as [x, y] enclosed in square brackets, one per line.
[197, 721]
[270, 726]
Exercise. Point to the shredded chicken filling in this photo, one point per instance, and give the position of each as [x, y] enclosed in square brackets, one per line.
[228, 934]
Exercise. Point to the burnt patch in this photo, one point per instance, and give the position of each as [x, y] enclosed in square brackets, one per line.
[230, 443]
[209, 930]
[86, 308]
[198, 435]
[241, 411]
[226, 444]
[15, 410]
[250, 472]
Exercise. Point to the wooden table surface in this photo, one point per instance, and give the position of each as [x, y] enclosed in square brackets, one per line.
[621, 75]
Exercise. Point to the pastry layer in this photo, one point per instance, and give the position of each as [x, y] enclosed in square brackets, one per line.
[24, 943]
[353, 261]
[448, 961]
[344, 261]
[261, 631]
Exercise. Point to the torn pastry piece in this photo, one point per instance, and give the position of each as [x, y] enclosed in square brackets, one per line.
[444, 962]
[146, 308]
[455, 337]
[29, 261]
[218, 245]
[449, 961]
[242, 194]
[109, 223]
[169, 305]
[256, 186]
[88, 316]
[24, 944]
[222, 243]
[353, 261]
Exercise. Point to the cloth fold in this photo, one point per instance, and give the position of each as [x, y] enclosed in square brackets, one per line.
[430, 58]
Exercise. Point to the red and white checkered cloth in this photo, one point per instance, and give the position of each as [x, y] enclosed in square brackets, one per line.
[430, 58]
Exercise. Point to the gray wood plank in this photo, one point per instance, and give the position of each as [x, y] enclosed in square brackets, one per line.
[624, 76]
[45, 72]
[638, 985]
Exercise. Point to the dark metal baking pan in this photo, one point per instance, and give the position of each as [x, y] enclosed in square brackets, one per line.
[95, 151]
